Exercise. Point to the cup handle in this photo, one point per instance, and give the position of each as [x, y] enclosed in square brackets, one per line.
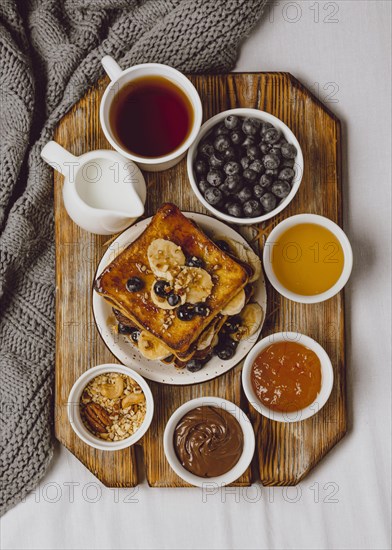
[112, 68]
[58, 158]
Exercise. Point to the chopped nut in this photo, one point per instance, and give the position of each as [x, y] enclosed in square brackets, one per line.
[108, 417]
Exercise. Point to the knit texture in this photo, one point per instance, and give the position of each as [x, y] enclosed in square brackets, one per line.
[50, 53]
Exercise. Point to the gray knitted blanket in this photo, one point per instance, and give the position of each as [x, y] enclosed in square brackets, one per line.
[50, 53]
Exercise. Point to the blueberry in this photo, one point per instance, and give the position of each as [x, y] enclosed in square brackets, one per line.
[232, 324]
[282, 141]
[194, 261]
[245, 162]
[265, 126]
[216, 160]
[135, 334]
[252, 209]
[224, 352]
[201, 167]
[231, 122]
[281, 189]
[233, 183]
[203, 185]
[124, 329]
[286, 174]
[206, 149]
[289, 151]
[245, 194]
[271, 136]
[234, 209]
[194, 365]
[268, 202]
[223, 245]
[272, 173]
[185, 312]
[271, 161]
[249, 141]
[250, 175]
[275, 150]
[233, 344]
[173, 299]
[265, 148]
[257, 166]
[162, 288]
[215, 178]
[250, 126]
[253, 152]
[221, 130]
[222, 143]
[213, 196]
[225, 189]
[265, 181]
[237, 137]
[258, 191]
[202, 309]
[134, 284]
[229, 154]
[287, 163]
[232, 168]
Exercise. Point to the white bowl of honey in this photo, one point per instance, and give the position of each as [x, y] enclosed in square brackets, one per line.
[308, 258]
[287, 377]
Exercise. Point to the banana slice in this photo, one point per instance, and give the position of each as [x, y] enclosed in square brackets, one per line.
[245, 254]
[252, 317]
[206, 338]
[150, 348]
[235, 305]
[255, 262]
[194, 283]
[162, 302]
[237, 249]
[166, 258]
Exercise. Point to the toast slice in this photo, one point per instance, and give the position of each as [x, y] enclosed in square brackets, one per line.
[227, 275]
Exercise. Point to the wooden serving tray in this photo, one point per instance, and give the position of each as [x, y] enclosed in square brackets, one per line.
[285, 453]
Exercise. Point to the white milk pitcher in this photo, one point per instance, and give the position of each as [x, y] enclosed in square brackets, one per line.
[103, 192]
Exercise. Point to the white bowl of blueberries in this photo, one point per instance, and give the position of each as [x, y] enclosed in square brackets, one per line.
[245, 166]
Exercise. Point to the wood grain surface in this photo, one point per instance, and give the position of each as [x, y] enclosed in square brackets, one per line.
[285, 453]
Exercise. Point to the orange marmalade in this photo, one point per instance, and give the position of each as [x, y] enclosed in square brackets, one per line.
[286, 376]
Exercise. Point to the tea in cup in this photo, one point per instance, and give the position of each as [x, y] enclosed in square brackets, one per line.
[150, 113]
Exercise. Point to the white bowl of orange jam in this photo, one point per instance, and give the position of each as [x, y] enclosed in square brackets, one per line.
[307, 258]
[287, 377]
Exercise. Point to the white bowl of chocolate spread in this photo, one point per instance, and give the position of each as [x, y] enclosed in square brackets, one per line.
[209, 442]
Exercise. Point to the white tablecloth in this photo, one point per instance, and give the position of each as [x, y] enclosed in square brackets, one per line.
[342, 51]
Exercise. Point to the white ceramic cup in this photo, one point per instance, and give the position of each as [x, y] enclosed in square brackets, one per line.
[237, 470]
[118, 79]
[73, 408]
[318, 220]
[326, 377]
[263, 117]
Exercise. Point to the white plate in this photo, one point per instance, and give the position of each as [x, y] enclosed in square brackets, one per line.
[128, 354]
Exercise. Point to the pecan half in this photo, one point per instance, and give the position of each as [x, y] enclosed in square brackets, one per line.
[97, 417]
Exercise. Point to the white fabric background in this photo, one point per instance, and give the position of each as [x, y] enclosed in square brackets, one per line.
[351, 59]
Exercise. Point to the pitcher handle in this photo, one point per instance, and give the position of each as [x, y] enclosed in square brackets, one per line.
[112, 68]
[58, 158]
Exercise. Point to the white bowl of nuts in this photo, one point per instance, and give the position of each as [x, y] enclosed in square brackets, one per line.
[110, 407]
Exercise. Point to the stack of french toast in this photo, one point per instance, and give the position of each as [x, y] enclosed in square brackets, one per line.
[180, 296]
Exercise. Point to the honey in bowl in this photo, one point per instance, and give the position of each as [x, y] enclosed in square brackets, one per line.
[286, 376]
[307, 259]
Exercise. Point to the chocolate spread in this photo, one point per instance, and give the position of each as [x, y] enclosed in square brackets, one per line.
[208, 441]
